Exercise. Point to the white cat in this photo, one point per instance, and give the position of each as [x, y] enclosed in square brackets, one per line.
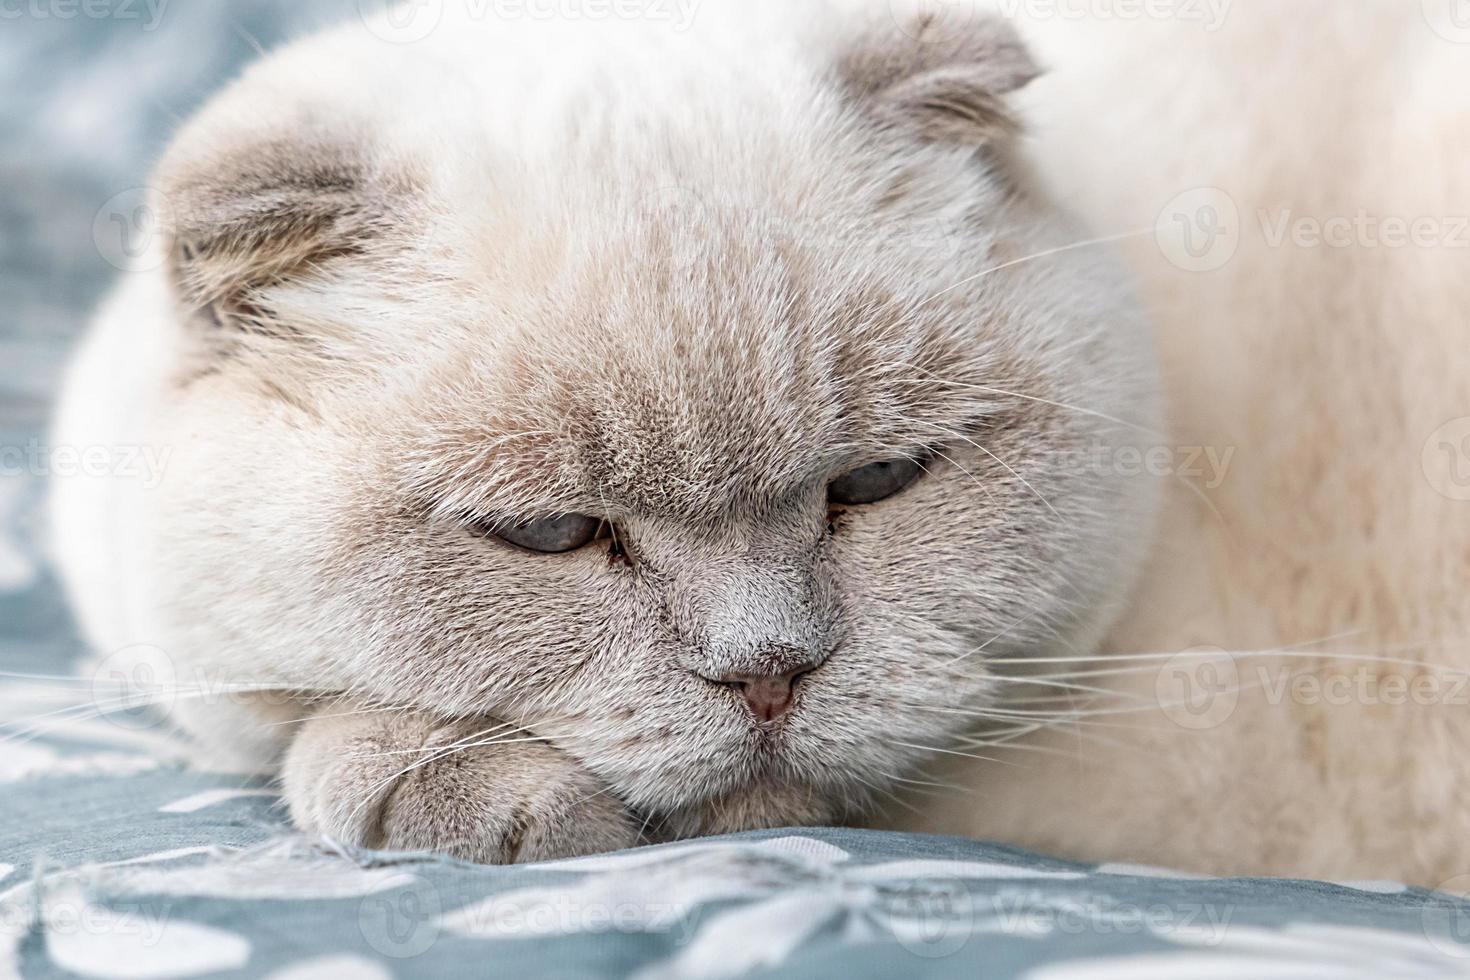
[586, 431]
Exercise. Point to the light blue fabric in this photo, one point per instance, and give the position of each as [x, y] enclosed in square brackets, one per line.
[114, 863]
[179, 874]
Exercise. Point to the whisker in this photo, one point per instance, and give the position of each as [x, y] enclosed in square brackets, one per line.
[1047, 253]
[944, 751]
[431, 755]
[342, 714]
[1004, 393]
[888, 794]
[1065, 685]
[1203, 498]
[998, 636]
[973, 478]
[497, 740]
[1323, 658]
[59, 678]
[435, 753]
[36, 726]
[1024, 482]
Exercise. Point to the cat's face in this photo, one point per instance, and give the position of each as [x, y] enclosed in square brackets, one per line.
[725, 445]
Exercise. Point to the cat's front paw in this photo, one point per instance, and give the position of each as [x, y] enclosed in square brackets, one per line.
[476, 790]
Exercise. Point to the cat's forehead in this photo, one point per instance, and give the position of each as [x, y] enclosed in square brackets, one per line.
[693, 380]
[668, 348]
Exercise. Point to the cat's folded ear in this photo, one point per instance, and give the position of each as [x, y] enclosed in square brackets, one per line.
[940, 74]
[253, 209]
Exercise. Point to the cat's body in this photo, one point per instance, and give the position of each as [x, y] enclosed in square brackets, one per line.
[1330, 369]
[685, 280]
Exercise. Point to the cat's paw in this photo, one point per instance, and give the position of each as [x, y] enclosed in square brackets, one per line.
[407, 782]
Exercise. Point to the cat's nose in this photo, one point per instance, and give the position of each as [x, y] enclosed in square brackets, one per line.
[769, 695]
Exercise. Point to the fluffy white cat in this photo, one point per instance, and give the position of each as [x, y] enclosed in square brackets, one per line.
[584, 431]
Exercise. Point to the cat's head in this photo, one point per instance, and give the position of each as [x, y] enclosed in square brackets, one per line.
[695, 399]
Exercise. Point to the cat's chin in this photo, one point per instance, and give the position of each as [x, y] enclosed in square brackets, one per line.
[766, 777]
[763, 804]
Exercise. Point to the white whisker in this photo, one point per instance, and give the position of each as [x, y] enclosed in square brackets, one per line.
[1047, 253]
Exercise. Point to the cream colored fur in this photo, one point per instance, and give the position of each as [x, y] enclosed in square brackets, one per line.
[683, 279]
[1328, 370]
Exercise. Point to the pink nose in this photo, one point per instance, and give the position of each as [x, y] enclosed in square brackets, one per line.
[768, 695]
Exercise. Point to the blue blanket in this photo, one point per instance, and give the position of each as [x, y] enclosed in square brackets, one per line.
[116, 860]
[112, 864]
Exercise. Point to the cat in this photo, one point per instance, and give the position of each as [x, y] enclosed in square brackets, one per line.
[591, 432]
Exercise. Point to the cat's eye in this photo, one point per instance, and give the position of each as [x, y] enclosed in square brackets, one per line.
[875, 482]
[554, 535]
